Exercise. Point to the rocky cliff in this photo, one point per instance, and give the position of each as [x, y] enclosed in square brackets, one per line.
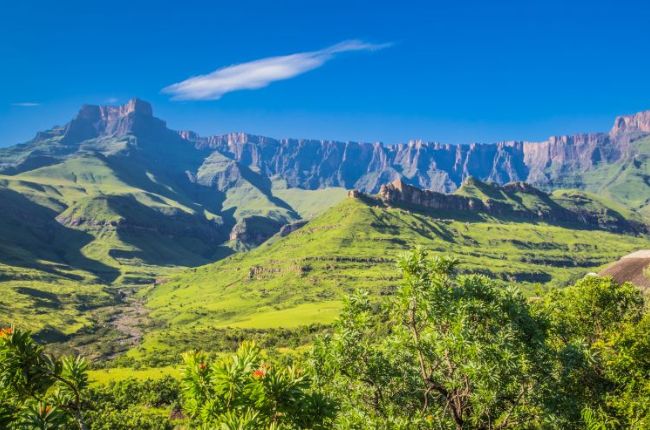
[516, 200]
[233, 174]
[441, 167]
[313, 164]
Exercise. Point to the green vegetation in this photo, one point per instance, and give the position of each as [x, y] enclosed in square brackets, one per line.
[302, 278]
[245, 392]
[446, 351]
[308, 203]
[625, 181]
[466, 352]
[76, 230]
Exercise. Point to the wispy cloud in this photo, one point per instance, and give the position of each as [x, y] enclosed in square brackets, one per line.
[112, 100]
[26, 104]
[260, 73]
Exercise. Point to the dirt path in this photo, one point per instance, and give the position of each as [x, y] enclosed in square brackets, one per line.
[129, 319]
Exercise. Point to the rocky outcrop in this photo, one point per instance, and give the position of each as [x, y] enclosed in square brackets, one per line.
[541, 206]
[134, 118]
[398, 193]
[637, 123]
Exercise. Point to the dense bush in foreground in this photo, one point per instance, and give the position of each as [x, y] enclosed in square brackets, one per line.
[466, 352]
[447, 351]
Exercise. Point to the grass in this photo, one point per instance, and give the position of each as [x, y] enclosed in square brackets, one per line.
[59, 234]
[299, 315]
[300, 279]
[309, 203]
[625, 181]
[104, 376]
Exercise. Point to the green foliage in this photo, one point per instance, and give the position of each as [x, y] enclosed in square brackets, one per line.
[243, 391]
[447, 350]
[600, 337]
[40, 391]
[458, 350]
[466, 352]
[133, 404]
[302, 278]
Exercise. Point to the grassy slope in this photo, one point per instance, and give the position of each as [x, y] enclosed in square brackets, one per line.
[51, 275]
[300, 279]
[625, 182]
[308, 203]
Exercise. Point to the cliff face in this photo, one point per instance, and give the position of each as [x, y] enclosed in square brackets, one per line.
[315, 164]
[312, 164]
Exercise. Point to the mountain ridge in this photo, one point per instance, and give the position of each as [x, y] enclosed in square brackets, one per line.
[515, 200]
[233, 175]
[115, 199]
[313, 164]
[430, 165]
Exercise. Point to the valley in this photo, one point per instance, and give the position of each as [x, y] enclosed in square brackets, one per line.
[117, 228]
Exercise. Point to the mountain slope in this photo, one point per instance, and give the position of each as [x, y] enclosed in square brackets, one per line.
[115, 198]
[300, 278]
[143, 194]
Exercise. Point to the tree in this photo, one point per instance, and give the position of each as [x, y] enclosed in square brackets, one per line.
[39, 391]
[601, 341]
[244, 392]
[448, 351]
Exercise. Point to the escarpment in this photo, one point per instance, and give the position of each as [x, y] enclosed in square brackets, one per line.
[516, 200]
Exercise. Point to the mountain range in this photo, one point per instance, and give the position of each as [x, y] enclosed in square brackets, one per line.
[116, 198]
[204, 171]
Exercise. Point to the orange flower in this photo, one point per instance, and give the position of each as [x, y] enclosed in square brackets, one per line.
[7, 331]
[202, 366]
[259, 373]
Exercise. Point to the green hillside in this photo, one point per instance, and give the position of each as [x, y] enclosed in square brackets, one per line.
[625, 181]
[74, 229]
[300, 279]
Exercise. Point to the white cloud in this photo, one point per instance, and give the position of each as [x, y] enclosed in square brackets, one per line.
[260, 73]
[26, 104]
[112, 100]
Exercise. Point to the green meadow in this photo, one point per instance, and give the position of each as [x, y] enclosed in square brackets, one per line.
[300, 279]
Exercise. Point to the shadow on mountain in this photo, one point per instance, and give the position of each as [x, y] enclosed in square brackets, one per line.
[264, 184]
[158, 237]
[170, 181]
[30, 233]
[41, 299]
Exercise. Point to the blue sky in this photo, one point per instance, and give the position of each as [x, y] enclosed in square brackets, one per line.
[452, 71]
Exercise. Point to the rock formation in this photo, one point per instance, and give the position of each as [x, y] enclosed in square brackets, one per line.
[315, 164]
[540, 206]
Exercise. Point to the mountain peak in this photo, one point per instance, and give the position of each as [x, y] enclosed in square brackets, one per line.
[135, 116]
[635, 123]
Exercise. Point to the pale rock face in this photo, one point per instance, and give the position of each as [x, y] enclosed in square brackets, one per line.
[134, 117]
[637, 123]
